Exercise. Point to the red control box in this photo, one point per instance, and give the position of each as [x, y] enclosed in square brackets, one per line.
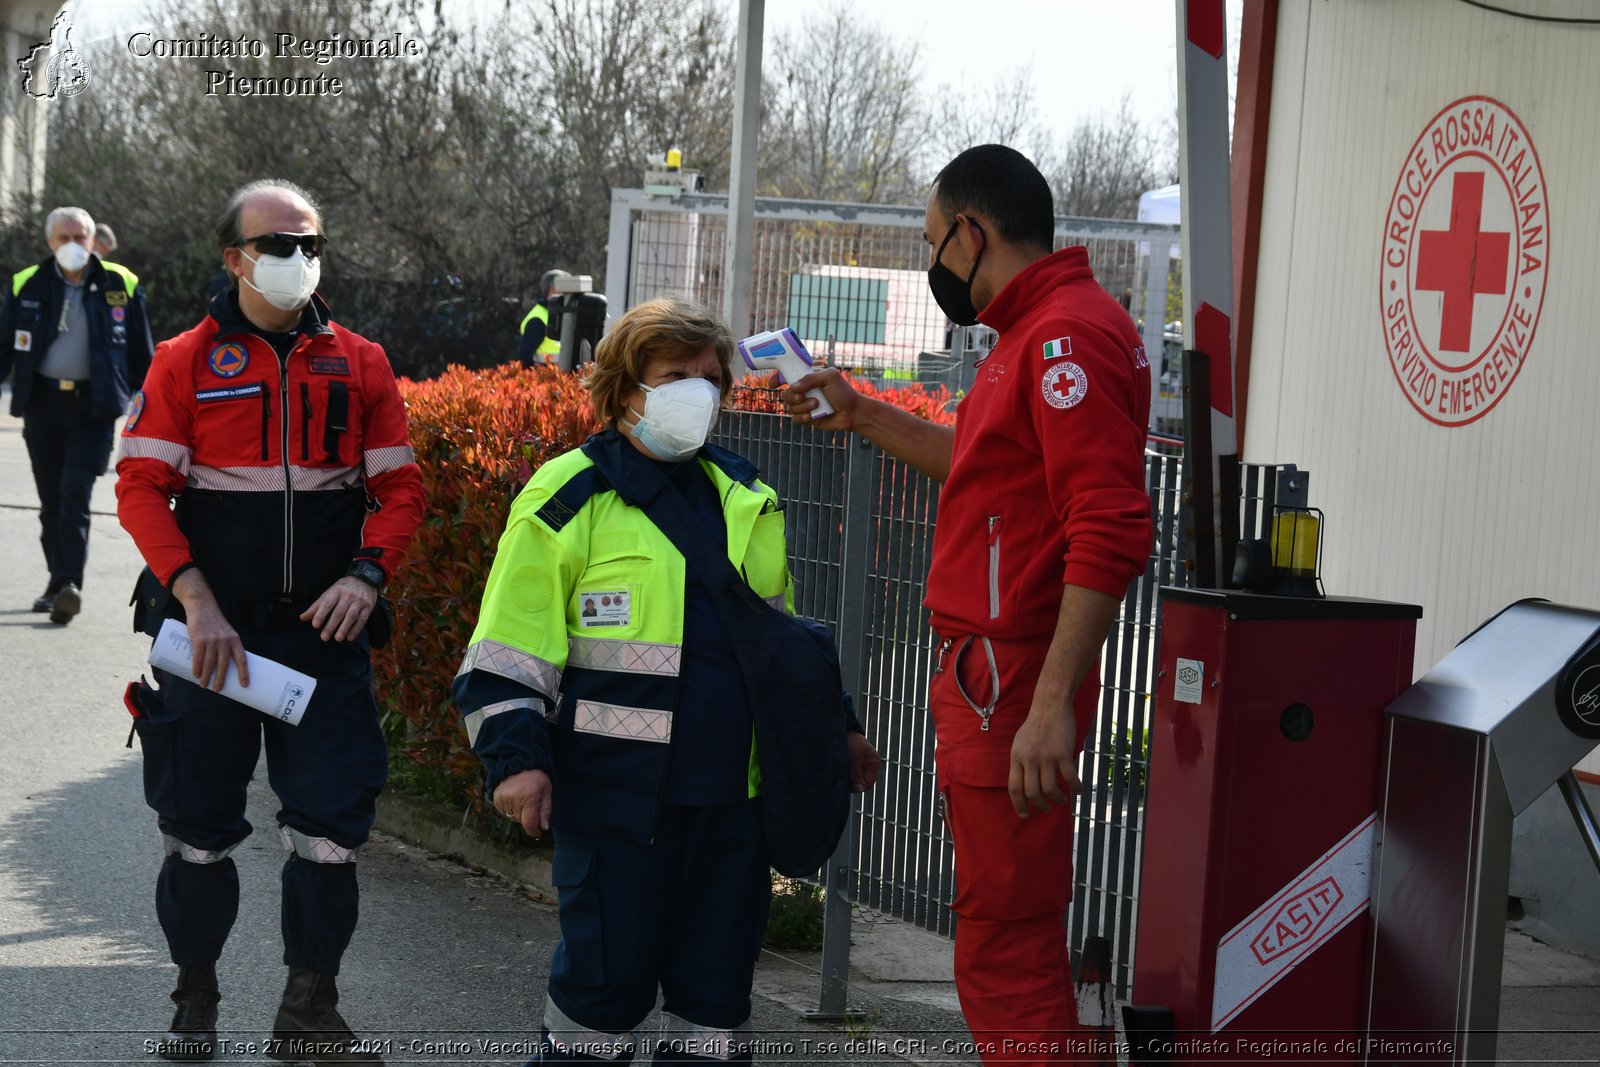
[1260, 825]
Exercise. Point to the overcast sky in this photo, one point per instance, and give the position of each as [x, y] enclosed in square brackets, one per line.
[1085, 55]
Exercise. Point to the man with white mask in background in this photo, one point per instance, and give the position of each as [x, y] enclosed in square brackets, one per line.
[74, 333]
[281, 436]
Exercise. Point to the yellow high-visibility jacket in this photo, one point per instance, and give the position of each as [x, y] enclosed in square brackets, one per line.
[573, 667]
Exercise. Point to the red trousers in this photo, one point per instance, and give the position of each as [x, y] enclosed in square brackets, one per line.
[1013, 875]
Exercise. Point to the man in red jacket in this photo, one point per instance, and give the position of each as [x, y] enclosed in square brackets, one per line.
[281, 436]
[1043, 522]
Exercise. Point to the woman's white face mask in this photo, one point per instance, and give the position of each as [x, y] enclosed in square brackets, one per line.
[677, 418]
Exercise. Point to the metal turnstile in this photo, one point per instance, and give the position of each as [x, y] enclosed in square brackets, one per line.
[1507, 714]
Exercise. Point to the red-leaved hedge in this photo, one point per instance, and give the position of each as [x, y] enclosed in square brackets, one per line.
[478, 436]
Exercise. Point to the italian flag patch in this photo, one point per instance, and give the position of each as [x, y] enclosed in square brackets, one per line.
[1061, 346]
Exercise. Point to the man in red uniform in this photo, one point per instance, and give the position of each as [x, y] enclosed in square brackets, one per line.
[282, 438]
[1043, 522]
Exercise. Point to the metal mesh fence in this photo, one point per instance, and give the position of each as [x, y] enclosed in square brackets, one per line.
[860, 528]
[1116, 758]
[850, 279]
[855, 293]
[808, 471]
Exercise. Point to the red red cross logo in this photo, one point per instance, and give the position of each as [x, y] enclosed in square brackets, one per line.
[1463, 261]
[1064, 385]
[1459, 305]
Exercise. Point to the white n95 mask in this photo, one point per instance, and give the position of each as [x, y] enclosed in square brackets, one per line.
[72, 257]
[286, 282]
[677, 418]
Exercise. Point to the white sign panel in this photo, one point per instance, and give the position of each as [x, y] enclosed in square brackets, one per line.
[1301, 918]
[1189, 681]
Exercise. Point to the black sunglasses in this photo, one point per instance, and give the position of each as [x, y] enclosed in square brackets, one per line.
[284, 244]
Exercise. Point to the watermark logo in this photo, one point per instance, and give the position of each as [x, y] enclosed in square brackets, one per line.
[270, 77]
[66, 74]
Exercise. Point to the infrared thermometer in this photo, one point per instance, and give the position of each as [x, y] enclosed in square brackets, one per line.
[781, 351]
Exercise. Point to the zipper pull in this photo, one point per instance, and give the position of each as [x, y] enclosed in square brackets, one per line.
[305, 422]
[266, 420]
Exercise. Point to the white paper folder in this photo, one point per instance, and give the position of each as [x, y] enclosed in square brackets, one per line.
[275, 689]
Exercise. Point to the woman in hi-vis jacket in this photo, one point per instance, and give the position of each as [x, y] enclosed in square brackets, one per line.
[600, 694]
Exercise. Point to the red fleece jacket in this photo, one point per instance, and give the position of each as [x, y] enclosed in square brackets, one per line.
[1047, 482]
[283, 471]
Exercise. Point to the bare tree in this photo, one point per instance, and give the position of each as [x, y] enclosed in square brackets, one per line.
[844, 120]
[441, 190]
[1002, 113]
[627, 79]
[450, 179]
[1105, 163]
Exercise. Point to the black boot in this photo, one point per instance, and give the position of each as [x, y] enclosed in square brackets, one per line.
[193, 1036]
[67, 602]
[309, 1026]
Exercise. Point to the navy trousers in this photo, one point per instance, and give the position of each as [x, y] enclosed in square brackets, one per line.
[68, 450]
[685, 915]
[199, 756]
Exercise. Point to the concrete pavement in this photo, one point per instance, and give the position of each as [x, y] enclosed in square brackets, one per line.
[449, 963]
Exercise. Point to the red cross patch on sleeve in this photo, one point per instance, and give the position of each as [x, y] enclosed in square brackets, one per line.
[1065, 385]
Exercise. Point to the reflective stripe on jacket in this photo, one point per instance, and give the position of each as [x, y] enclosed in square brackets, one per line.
[550, 347]
[119, 334]
[573, 667]
[284, 470]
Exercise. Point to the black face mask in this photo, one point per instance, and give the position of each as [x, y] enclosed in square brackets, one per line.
[953, 295]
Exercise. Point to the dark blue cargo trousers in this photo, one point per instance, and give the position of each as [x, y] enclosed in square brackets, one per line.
[199, 756]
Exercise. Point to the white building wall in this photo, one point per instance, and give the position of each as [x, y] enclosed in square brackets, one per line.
[24, 120]
[1462, 519]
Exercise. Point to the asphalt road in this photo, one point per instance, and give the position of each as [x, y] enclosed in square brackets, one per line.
[84, 970]
[446, 962]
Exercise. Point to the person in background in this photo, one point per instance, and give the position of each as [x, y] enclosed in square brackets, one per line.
[105, 241]
[1043, 522]
[537, 343]
[625, 726]
[75, 338]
